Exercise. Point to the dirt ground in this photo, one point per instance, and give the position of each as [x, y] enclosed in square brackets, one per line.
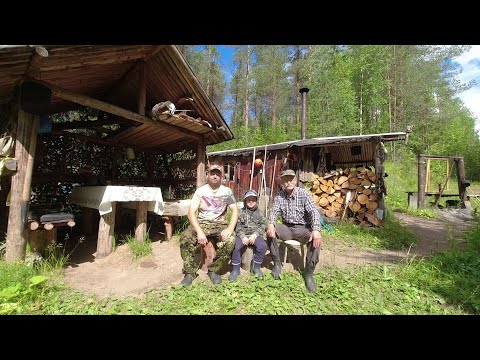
[119, 275]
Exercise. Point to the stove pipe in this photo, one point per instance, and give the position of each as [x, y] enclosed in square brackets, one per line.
[304, 92]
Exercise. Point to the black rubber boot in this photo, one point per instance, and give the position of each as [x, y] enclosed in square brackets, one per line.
[216, 279]
[308, 277]
[187, 280]
[256, 270]
[235, 272]
[277, 268]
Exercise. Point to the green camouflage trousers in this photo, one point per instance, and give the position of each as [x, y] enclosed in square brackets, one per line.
[190, 248]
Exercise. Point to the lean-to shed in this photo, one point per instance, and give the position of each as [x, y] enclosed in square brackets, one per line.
[350, 163]
[144, 98]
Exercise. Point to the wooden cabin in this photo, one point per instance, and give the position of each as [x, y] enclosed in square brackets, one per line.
[330, 167]
[142, 119]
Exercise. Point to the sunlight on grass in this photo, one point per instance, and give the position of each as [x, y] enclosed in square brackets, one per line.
[138, 249]
[391, 235]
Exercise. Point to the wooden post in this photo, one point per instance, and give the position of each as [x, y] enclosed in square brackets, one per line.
[421, 182]
[141, 229]
[461, 178]
[105, 233]
[208, 251]
[17, 233]
[429, 175]
[201, 152]
[448, 172]
[168, 223]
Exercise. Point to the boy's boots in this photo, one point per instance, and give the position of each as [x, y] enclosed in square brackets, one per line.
[235, 272]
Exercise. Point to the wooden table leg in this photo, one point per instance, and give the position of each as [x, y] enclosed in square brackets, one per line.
[141, 228]
[105, 233]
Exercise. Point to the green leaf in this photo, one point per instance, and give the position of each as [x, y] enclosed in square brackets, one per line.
[38, 280]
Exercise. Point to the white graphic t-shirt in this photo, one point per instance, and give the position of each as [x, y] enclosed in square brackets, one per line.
[213, 204]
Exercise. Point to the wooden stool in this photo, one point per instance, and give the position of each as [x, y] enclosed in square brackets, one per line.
[289, 244]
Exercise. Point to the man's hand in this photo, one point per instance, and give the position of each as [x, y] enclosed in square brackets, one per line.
[225, 234]
[201, 238]
[316, 236]
[271, 231]
[245, 240]
[252, 239]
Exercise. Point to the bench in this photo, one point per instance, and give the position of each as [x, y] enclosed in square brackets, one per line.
[42, 226]
[413, 197]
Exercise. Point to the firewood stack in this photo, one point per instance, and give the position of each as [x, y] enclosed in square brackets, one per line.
[348, 193]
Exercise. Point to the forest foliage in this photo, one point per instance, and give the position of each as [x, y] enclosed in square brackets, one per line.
[353, 90]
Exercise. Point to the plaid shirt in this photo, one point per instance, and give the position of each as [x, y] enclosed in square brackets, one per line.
[298, 209]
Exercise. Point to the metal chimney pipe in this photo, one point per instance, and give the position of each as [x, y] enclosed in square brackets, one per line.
[304, 92]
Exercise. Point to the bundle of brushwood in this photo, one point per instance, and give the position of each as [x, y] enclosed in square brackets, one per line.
[348, 192]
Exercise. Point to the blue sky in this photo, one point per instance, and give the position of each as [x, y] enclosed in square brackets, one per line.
[469, 62]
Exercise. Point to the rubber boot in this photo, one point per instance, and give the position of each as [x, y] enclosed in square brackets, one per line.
[235, 272]
[256, 270]
[308, 277]
[277, 268]
[187, 280]
[216, 279]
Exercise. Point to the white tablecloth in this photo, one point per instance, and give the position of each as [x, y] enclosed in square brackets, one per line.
[101, 197]
[170, 207]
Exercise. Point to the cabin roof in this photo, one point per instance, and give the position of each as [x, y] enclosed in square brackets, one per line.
[111, 73]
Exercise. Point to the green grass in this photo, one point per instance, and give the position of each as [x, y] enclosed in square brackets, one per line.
[442, 284]
[138, 249]
[391, 235]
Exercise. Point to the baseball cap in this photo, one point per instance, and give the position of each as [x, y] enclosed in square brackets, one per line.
[215, 167]
[250, 193]
[288, 172]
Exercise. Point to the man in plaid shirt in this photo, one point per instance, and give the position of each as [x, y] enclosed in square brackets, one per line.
[300, 221]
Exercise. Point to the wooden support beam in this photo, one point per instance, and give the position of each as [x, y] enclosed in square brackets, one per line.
[17, 233]
[462, 189]
[142, 89]
[113, 109]
[86, 124]
[201, 156]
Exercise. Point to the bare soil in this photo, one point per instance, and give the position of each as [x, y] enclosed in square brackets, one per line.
[120, 275]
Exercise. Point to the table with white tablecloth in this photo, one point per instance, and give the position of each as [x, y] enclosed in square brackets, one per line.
[104, 199]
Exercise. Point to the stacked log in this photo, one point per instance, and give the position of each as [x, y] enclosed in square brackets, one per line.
[349, 193]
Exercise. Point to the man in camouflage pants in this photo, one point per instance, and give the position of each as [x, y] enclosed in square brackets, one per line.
[207, 216]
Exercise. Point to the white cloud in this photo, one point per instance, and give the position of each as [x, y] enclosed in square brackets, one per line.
[470, 63]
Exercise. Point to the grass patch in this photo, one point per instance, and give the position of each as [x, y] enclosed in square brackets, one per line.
[138, 249]
[391, 235]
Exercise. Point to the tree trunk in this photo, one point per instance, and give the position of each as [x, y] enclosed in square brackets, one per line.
[247, 87]
[17, 233]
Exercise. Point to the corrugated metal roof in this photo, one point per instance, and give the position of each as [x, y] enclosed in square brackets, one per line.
[385, 137]
[339, 148]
